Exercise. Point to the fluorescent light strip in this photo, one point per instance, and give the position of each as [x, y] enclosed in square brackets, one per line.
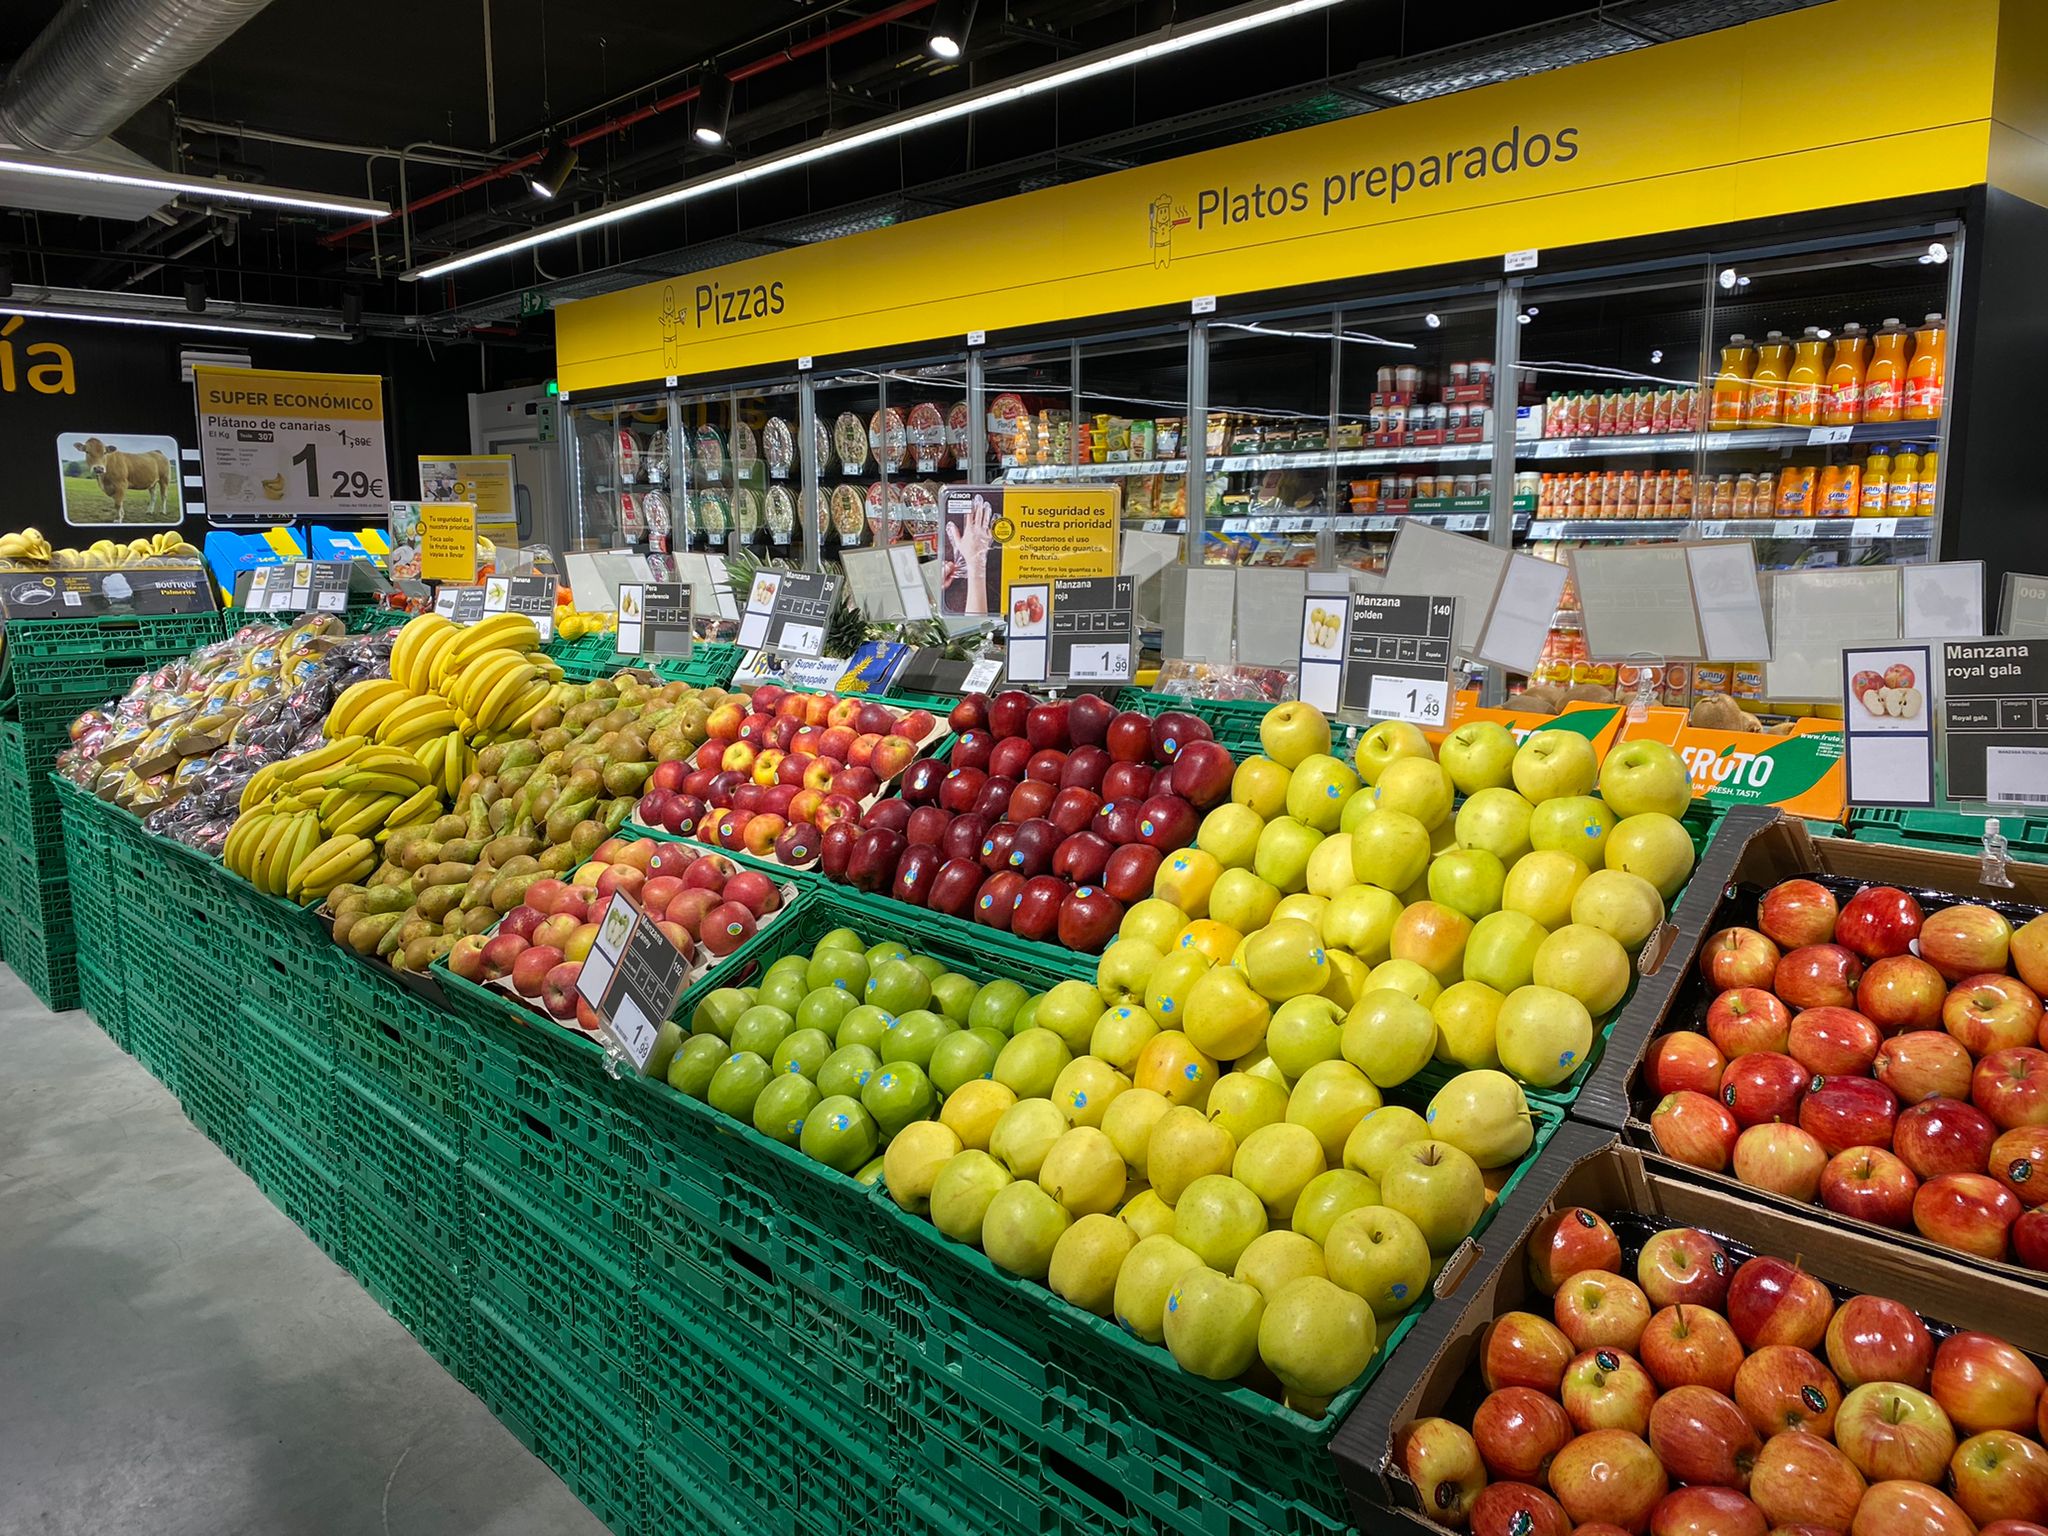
[1052, 78]
[168, 322]
[198, 186]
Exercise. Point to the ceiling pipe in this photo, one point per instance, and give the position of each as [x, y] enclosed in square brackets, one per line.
[100, 61]
[618, 124]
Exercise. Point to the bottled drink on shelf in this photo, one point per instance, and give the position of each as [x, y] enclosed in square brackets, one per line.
[1841, 488]
[1884, 381]
[1905, 473]
[1923, 483]
[1731, 383]
[1796, 490]
[1877, 477]
[1765, 406]
[1803, 384]
[1924, 375]
[1842, 400]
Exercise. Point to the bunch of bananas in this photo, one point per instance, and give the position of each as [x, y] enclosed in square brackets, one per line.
[493, 674]
[340, 802]
[30, 547]
[29, 544]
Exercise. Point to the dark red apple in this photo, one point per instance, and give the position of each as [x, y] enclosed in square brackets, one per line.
[1083, 858]
[1129, 874]
[856, 782]
[1031, 850]
[1073, 809]
[889, 815]
[915, 872]
[1009, 757]
[927, 825]
[1045, 725]
[1084, 768]
[1032, 798]
[653, 809]
[1088, 718]
[1129, 738]
[970, 714]
[747, 798]
[1127, 781]
[669, 775]
[1202, 773]
[1046, 766]
[1760, 1087]
[921, 781]
[995, 847]
[875, 720]
[1167, 822]
[994, 799]
[1845, 1112]
[872, 864]
[1088, 919]
[996, 901]
[958, 789]
[972, 750]
[724, 786]
[1007, 712]
[698, 783]
[835, 847]
[1880, 920]
[1118, 821]
[1036, 915]
[1818, 976]
[1174, 730]
[953, 887]
[962, 839]
[798, 845]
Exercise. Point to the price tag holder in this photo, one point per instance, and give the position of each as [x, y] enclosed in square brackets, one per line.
[460, 605]
[1397, 658]
[1082, 631]
[1820, 435]
[325, 584]
[533, 596]
[659, 622]
[789, 611]
[89, 593]
[1995, 721]
[632, 979]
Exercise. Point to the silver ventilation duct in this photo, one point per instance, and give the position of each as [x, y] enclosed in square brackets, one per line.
[99, 61]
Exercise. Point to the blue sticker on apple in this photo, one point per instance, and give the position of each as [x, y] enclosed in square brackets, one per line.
[1191, 1072]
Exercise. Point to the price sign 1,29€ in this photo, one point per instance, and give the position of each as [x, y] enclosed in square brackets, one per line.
[1397, 658]
[276, 446]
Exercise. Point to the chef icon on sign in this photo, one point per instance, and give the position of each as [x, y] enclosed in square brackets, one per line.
[1164, 216]
[671, 326]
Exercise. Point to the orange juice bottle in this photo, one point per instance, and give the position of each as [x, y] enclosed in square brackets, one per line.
[1765, 405]
[1731, 383]
[1803, 383]
[1842, 400]
[1924, 374]
[1841, 488]
[1877, 478]
[1924, 482]
[1898, 496]
[1884, 381]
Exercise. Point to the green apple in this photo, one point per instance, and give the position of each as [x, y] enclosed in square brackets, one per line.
[1030, 1064]
[1172, 979]
[1071, 1008]
[1293, 732]
[690, 1069]
[1276, 1259]
[1317, 1338]
[845, 970]
[932, 966]
[1329, 867]
[1317, 790]
[866, 1025]
[1226, 1015]
[802, 1052]
[1347, 978]
[737, 1083]
[1285, 847]
[1495, 821]
[1216, 1219]
[1084, 1172]
[1123, 971]
[1361, 920]
[953, 996]
[847, 1070]
[1330, 1098]
[995, 1005]
[1381, 1256]
[840, 938]
[1152, 920]
[1085, 1262]
[1147, 1215]
[1587, 963]
[1653, 846]
[1025, 1133]
[897, 1095]
[960, 1058]
[1543, 1035]
[1356, 809]
[1641, 776]
[1283, 959]
[760, 1029]
[972, 1110]
[1020, 1229]
[1329, 1195]
[780, 1109]
[1553, 763]
[1185, 1145]
[1241, 900]
[1211, 1325]
[1479, 755]
[1230, 834]
[825, 1009]
[1575, 824]
[1484, 1115]
[1244, 1102]
[1120, 1034]
[718, 1012]
[1433, 936]
[1276, 1163]
[1405, 976]
[1128, 1123]
[1417, 786]
[1502, 950]
[785, 989]
[1370, 1148]
[1437, 1187]
[1085, 1089]
[839, 1133]
[1624, 906]
[1260, 784]
[1389, 1037]
[1186, 880]
[1467, 880]
[962, 1191]
[898, 986]
[1388, 742]
[1171, 1064]
[1304, 1031]
[912, 1162]
[1390, 849]
[914, 1036]
[1467, 1018]
[1542, 885]
[1150, 1271]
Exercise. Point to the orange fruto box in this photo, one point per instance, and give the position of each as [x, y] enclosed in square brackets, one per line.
[1598, 723]
[1801, 773]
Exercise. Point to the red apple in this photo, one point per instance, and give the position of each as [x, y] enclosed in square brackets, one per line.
[1518, 1430]
[1965, 940]
[921, 780]
[1897, 1504]
[1088, 919]
[953, 887]
[915, 872]
[1691, 1346]
[1801, 1480]
[1706, 1511]
[689, 906]
[1795, 913]
[1006, 712]
[1167, 822]
[754, 891]
[1870, 1184]
[1598, 1309]
[1009, 757]
[971, 750]
[798, 846]
[1045, 726]
[1783, 1387]
[844, 712]
[1202, 773]
[726, 927]
[1036, 915]
[836, 807]
[958, 789]
[521, 920]
[659, 891]
[993, 801]
[1969, 1212]
[1872, 1338]
[1683, 1266]
[554, 931]
[915, 726]
[835, 847]
[531, 966]
[2000, 1475]
[2012, 1528]
[1773, 1302]
[1082, 858]
[1938, 1136]
[1032, 848]
[1030, 800]
[871, 866]
[1084, 768]
[803, 806]
[1982, 1382]
[2030, 1247]
[1607, 1389]
[1088, 717]
[1761, 1086]
[1992, 1013]
[1738, 957]
[669, 774]
[1818, 975]
[1175, 729]
[2011, 1086]
[761, 834]
[1118, 820]
[889, 815]
[2019, 1160]
[1902, 992]
[709, 755]
[995, 903]
[874, 719]
[1685, 1060]
[927, 825]
[1127, 781]
[1129, 738]
[1073, 809]
[1745, 1019]
[1130, 872]
[1890, 1430]
[1924, 1064]
[1702, 1437]
[558, 989]
[1567, 1242]
[1609, 1475]
[1521, 1349]
[1879, 920]
[970, 714]
[822, 773]
[1844, 1112]
[1517, 1509]
[1780, 1159]
[995, 848]
[1833, 1042]
[964, 836]
[1442, 1461]
[1046, 766]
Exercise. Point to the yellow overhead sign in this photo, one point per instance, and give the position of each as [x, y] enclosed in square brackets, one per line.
[1708, 130]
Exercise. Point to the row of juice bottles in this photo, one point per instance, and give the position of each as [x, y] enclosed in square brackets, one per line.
[1895, 374]
[1889, 483]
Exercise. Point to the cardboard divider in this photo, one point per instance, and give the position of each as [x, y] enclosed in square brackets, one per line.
[1436, 1371]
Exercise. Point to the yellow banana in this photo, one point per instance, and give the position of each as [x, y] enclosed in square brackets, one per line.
[355, 699]
[377, 782]
[322, 869]
[274, 835]
[367, 719]
[390, 759]
[455, 766]
[247, 828]
[259, 786]
[424, 804]
[370, 817]
[338, 749]
[341, 805]
[412, 641]
[424, 714]
[469, 685]
[304, 839]
[491, 708]
[501, 631]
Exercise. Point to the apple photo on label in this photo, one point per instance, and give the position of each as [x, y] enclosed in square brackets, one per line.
[1887, 692]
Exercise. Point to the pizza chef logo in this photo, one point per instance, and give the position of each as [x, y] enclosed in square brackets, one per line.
[1163, 215]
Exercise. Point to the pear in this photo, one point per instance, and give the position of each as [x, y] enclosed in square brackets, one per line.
[1216, 1219]
[1129, 1121]
[1186, 1145]
[1328, 1196]
[1021, 1228]
[1148, 1273]
[1084, 1172]
[961, 1194]
[1276, 1163]
[1317, 1338]
[1484, 1115]
[913, 1160]
[1225, 1016]
[1211, 1324]
[1086, 1259]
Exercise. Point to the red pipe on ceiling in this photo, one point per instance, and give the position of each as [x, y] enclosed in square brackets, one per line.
[619, 124]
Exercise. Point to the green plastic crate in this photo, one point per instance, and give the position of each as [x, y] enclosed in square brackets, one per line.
[424, 1287]
[587, 658]
[683, 1495]
[217, 1104]
[1948, 832]
[208, 1022]
[33, 822]
[398, 1039]
[291, 1075]
[104, 1004]
[155, 1044]
[1234, 721]
[46, 962]
[387, 1148]
[712, 664]
[95, 659]
[286, 1170]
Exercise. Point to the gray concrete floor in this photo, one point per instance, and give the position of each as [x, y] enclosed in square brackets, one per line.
[176, 1357]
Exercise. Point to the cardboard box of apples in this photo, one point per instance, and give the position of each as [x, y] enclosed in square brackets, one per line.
[1861, 1028]
[1651, 1354]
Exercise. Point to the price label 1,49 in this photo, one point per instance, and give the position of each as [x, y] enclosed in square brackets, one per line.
[1397, 658]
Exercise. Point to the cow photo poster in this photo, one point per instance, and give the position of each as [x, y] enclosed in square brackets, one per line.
[120, 479]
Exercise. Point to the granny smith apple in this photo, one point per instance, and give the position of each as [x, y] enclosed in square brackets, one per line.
[996, 1004]
[960, 1058]
[1642, 776]
[1374, 1140]
[844, 969]
[1419, 787]
[1317, 790]
[847, 1070]
[780, 1108]
[1575, 824]
[1437, 1187]
[1502, 950]
[1467, 880]
[1653, 846]
[880, 954]
[760, 1029]
[785, 989]
[1543, 1035]
[1293, 732]
[1389, 1037]
[898, 1095]
[1589, 964]
[898, 986]
[841, 938]
[737, 1082]
[1361, 919]
[690, 1069]
[1284, 849]
[718, 1012]
[839, 1133]
[1619, 904]
[1242, 901]
[1552, 763]
[1479, 755]
[953, 995]
[1541, 886]
[1495, 820]
[1388, 742]
[1380, 1255]
[1484, 1115]
[1467, 1018]
[914, 1036]
[825, 1009]
[865, 1025]
[1261, 785]
[1230, 834]
[802, 1052]
[1329, 1195]
[1304, 1031]
[1390, 849]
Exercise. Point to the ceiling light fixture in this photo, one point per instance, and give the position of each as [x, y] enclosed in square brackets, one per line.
[1728, 277]
[1937, 253]
[195, 295]
[557, 162]
[714, 109]
[1432, 320]
[167, 322]
[950, 22]
[194, 186]
[1051, 77]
